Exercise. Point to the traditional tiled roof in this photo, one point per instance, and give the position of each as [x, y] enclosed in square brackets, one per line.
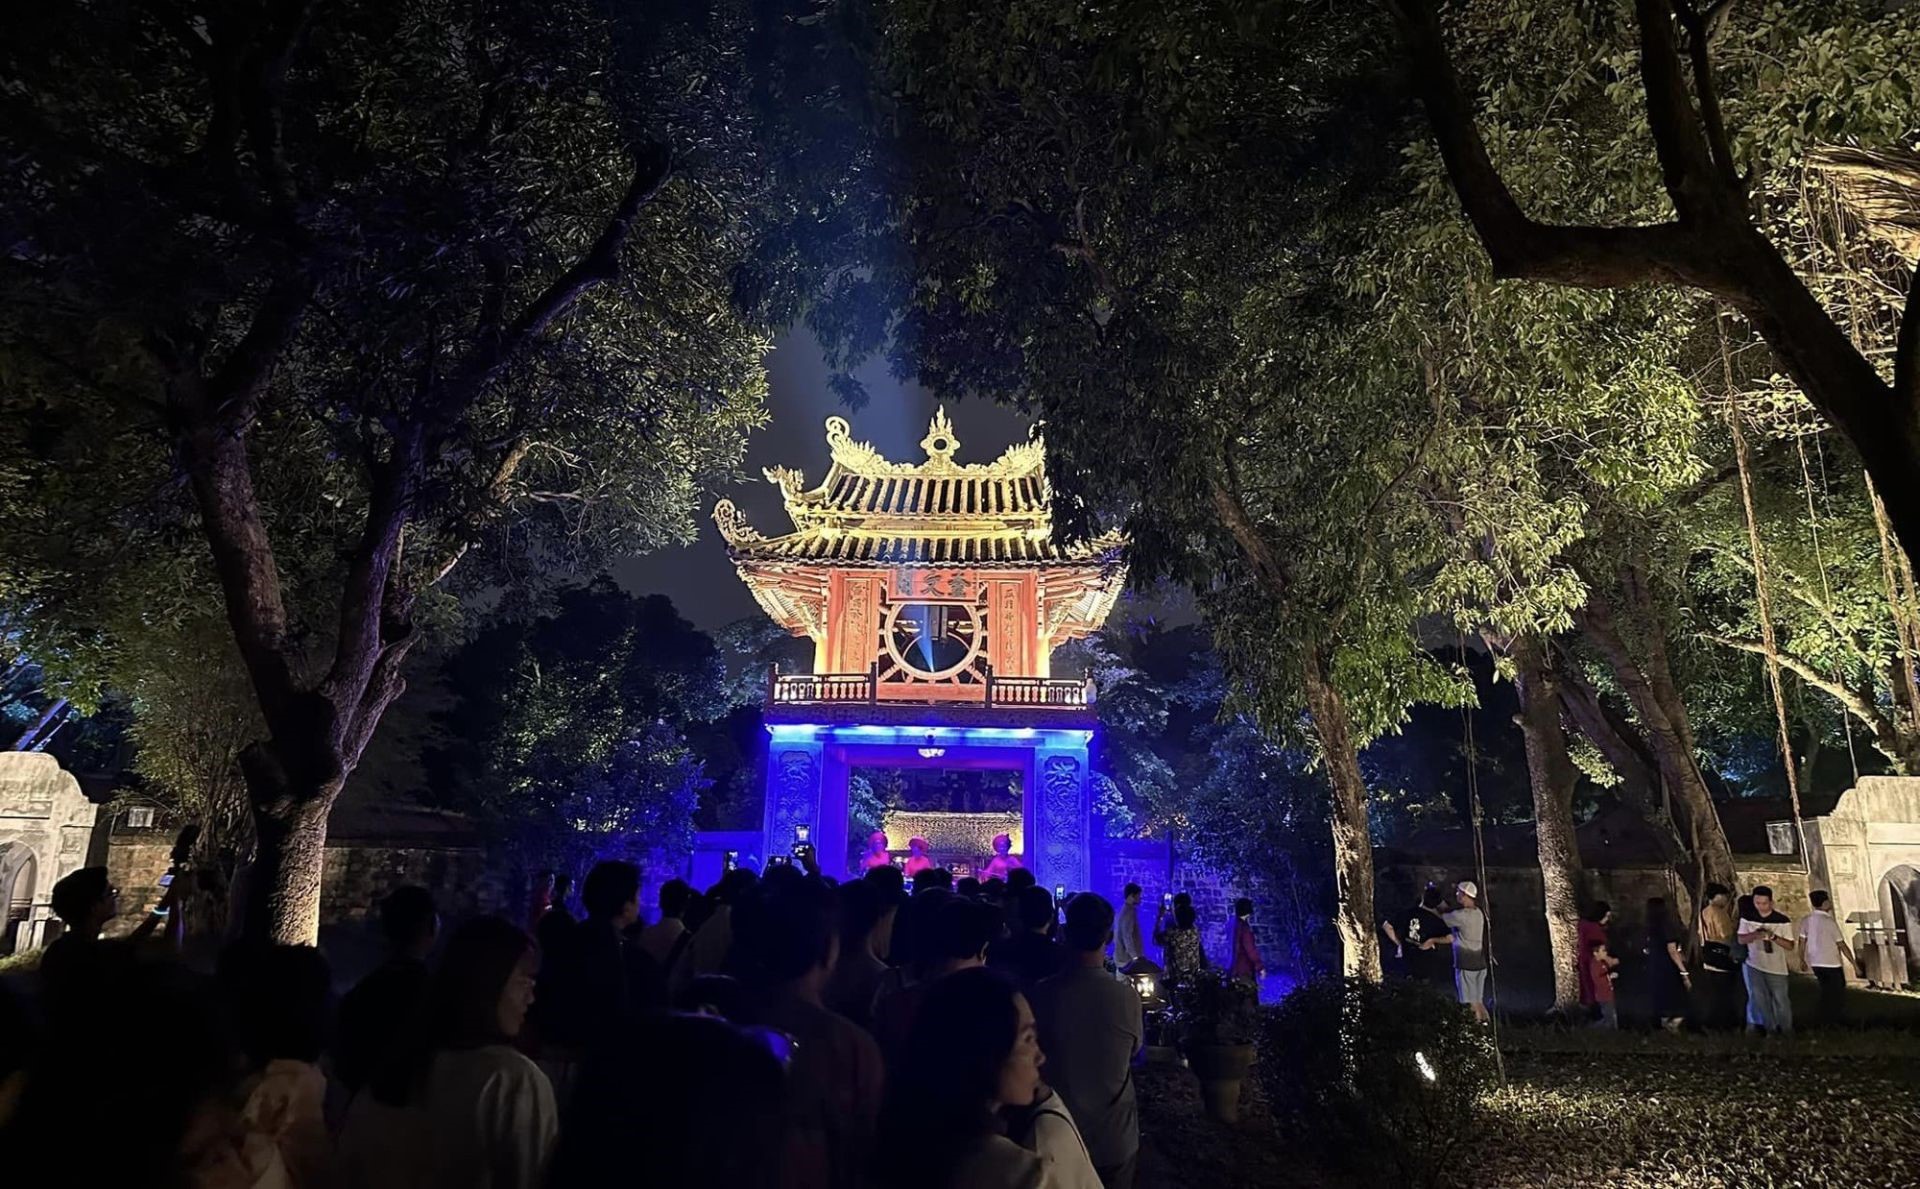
[869, 511]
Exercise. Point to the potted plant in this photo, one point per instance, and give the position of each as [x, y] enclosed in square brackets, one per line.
[1217, 1018]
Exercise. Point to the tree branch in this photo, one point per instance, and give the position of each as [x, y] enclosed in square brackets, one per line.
[1517, 246]
[1906, 352]
[235, 388]
[218, 471]
[1679, 136]
[1860, 707]
[652, 167]
[369, 583]
[1713, 124]
[1232, 513]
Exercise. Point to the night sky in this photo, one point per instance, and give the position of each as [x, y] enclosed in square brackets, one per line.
[699, 578]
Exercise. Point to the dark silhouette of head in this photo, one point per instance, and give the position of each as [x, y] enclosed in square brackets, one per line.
[1020, 877]
[786, 931]
[84, 900]
[891, 881]
[1035, 905]
[612, 892]
[691, 1101]
[960, 932]
[862, 904]
[950, 1071]
[151, 1085]
[409, 919]
[1089, 923]
[675, 894]
[933, 877]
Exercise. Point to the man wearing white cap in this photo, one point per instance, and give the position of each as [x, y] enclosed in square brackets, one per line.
[1469, 926]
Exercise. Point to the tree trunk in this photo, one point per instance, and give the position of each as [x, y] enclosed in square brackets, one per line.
[1550, 771]
[1352, 841]
[281, 896]
[1656, 702]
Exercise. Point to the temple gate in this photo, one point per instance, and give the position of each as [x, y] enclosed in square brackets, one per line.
[934, 595]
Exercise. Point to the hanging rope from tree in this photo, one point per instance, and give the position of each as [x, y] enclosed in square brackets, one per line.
[1762, 605]
[1826, 589]
[1475, 816]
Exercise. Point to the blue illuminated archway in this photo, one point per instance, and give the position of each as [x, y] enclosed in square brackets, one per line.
[808, 763]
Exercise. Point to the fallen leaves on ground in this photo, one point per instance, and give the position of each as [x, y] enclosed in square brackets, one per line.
[1657, 1115]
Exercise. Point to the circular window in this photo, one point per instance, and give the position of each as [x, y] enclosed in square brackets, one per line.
[932, 640]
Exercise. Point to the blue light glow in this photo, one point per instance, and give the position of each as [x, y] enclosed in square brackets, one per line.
[917, 734]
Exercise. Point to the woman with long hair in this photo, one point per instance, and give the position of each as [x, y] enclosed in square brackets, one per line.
[1666, 967]
[972, 1051]
[463, 1107]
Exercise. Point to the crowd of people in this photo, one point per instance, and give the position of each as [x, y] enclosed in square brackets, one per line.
[776, 1030]
[1747, 948]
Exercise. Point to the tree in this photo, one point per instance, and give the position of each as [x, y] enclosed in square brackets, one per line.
[1181, 764]
[569, 733]
[1716, 238]
[1112, 218]
[332, 290]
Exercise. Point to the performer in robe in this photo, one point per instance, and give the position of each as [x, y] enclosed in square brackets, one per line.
[1003, 862]
[876, 855]
[917, 860]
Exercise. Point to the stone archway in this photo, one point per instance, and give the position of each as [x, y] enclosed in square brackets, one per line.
[19, 869]
[44, 814]
[1900, 910]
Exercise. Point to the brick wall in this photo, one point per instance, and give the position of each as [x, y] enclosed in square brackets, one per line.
[1159, 869]
[135, 863]
[1515, 904]
[465, 880]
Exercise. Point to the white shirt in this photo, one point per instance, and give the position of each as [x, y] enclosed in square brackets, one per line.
[658, 938]
[1820, 933]
[1057, 1139]
[1126, 937]
[483, 1119]
[1757, 955]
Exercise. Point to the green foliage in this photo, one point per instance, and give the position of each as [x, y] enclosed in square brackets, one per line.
[1340, 1064]
[569, 732]
[193, 713]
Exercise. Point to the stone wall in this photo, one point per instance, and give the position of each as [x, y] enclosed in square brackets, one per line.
[45, 823]
[135, 863]
[1160, 869]
[464, 879]
[1515, 904]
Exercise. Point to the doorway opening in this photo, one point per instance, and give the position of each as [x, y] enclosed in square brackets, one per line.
[957, 811]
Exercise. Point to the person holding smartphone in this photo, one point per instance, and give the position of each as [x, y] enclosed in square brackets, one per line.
[86, 903]
[1768, 936]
